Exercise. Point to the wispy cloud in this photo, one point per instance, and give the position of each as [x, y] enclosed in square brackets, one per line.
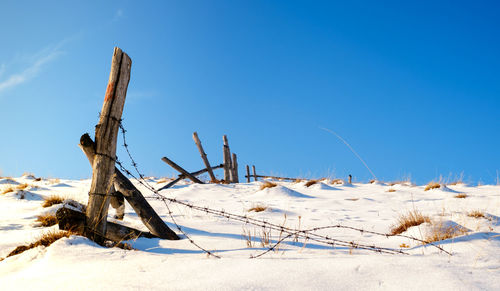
[37, 61]
[118, 15]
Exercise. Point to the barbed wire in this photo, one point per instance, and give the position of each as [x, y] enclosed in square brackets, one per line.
[308, 234]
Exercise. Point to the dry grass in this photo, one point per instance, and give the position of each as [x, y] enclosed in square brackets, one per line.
[258, 208]
[337, 181]
[46, 220]
[54, 181]
[163, 180]
[461, 195]
[440, 232]
[476, 214]
[22, 186]
[412, 218]
[45, 240]
[52, 200]
[391, 190]
[432, 185]
[267, 185]
[8, 190]
[310, 183]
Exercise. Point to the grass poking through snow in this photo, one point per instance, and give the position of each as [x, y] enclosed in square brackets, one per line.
[52, 200]
[46, 219]
[476, 214]
[267, 185]
[45, 240]
[310, 183]
[432, 185]
[412, 218]
[461, 195]
[258, 208]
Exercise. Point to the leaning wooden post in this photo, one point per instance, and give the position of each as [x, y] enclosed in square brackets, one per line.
[106, 133]
[227, 160]
[248, 174]
[204, 157]
[254, 174]
[134, 197]
[236, 179]
[181, 170]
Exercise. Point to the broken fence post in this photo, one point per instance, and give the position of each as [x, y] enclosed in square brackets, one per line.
[182, 176]
[204, 157]
[236, 179]
[133, 196]
[248, 174]
[181, 170]
[227, 160]
[105, 135]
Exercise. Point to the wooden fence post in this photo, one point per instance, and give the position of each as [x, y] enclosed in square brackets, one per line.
[227, 160]
[181, 170]
[350, 179]
[204, 157]
[105, 137]
[134, 197]
[254, 173]
[248, 174]
[236, 179]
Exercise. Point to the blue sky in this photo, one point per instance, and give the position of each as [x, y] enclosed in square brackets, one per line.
[412, 87]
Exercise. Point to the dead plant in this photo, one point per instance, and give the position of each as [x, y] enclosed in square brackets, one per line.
[476, 214]
[52, 200]
[258, 208]
[441, 232]
[45, 240]
[267, 184]
[8, 190]
[47, 219]
[432, 185]
[310, 183]
[404, 222]
[461, 195]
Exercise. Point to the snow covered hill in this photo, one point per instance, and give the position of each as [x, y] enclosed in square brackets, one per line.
[468, 215]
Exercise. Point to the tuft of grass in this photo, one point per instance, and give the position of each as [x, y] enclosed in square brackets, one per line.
[45, 240]
[310, 183]
[46, 220]
[461, 195]
[336, 181]
[440, 232]
[54, 181]
[267, 185]
[258, 208]
[476, 214]
[412, 218]
[8, 190]
[52, 200]
[22, 186]
[432, 185]
[391, 190]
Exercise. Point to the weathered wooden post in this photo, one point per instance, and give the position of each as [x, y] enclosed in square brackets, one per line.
[254, 173]
[236, 179]
[204, 157]
[134, 197]
[105, 138]
[181, 170]
[248, 174]
[350, 179]
[227, 160]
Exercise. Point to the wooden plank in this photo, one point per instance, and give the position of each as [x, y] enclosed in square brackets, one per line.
[204, 157]
[182, 176]
[235, 177]
[105, 135]
[248, 174]
[134, 197]
[69, 219]
[181, 170]
[254, 173]
[227, 160]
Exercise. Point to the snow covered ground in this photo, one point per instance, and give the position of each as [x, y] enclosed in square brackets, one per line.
[75, 263]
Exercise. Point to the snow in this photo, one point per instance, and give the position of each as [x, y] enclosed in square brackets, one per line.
[76, 263]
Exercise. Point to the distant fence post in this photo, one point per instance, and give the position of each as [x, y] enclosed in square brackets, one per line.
[350, 179]
[106, 132]
[236, 179]
[204, 157]
[254, 173]
[227, 160]
[248, 174]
